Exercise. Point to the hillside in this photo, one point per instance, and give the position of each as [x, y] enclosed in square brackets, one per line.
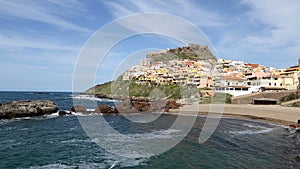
[122, 88]
[134, 87]
[191, 52]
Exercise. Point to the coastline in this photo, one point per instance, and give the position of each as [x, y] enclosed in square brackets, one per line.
[274, 114]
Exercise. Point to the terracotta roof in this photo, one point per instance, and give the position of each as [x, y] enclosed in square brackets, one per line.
[252, 65]
[245, 87]
[232, 78]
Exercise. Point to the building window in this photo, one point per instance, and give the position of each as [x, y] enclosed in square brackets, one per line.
[269, 84]
[274, 84]
[280, 84]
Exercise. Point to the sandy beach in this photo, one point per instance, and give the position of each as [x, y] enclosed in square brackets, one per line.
[275, 114]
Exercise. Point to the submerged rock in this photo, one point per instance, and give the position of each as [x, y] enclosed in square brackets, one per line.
[26, 108]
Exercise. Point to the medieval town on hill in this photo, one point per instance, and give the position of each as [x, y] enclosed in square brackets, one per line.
[195, 65]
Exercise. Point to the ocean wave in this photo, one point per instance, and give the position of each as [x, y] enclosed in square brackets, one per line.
[251, 132]
[51, 166]
[110, 162]
[92, 98]
[252, 129]
[43, 117]
[159, 134]
[79, 141]
[86, 97]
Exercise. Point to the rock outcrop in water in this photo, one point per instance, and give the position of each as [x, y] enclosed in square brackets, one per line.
[106, 109]
[15, 109]
[78, 108]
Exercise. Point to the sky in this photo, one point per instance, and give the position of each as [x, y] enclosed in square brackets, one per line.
[41, 41]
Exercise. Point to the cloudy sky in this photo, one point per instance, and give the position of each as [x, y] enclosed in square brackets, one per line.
[40, 41]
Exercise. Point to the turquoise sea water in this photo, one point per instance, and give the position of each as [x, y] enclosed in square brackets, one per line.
[60, 142]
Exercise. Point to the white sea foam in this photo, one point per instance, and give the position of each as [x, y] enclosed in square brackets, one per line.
[250, 132]
[110, 161]
[253, 129]
[51, 166]
[77, 141]
[85, 114]
[86, 97]
[126, 144]
[53, 115]
[159, 134]
[92, 98]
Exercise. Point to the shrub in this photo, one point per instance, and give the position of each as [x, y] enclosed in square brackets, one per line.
[289, 97]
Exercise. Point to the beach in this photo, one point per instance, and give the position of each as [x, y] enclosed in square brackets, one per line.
[274, 114]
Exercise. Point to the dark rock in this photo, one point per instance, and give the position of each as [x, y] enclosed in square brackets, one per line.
[134, 105]
[27, 108]
[172, 104]
[63, 113]
[158, 106]
[144, 106]
[141, 106]
[78, 108]
[293, 126]
[106, 109]
[126, 106]
[297, 158]
[103, 96]
[298, 131]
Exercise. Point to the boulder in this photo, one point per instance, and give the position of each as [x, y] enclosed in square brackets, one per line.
[172, 104]
[27, 108]
[63, 113]
[78, 108]
[297, 158]
[158, 106]
[293, 126]
[106, 109]
[125, 106]
[144, 106]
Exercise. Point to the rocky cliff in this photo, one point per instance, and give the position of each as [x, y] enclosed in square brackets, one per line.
[191, 52]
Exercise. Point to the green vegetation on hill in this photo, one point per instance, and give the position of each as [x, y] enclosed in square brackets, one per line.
[292, 96]
[120, 87]
[218, 98]
[131, 88]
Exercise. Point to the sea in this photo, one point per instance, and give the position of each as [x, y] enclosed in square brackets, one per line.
[52, 141]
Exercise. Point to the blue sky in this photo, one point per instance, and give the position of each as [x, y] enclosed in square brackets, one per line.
[40, 41]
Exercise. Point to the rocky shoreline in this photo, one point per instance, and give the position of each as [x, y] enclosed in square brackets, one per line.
[26, 108]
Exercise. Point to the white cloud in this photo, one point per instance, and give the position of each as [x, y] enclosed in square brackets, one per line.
[186, 9]
[72, 5]
[13, 42]
[268, 33]
[37, 12]
[281, 17]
